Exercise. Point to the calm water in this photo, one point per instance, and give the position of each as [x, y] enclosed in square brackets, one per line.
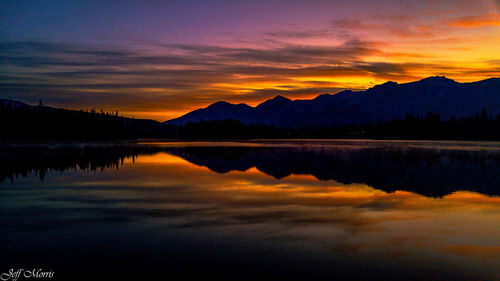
[335, 210]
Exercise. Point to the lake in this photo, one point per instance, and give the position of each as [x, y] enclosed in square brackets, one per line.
[295, 209]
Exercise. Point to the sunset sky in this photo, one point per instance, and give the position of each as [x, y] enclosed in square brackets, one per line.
[161, 59]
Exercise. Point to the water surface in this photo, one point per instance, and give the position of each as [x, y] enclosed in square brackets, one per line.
[334, 210]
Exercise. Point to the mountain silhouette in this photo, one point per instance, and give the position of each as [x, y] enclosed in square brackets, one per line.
[383, 102]
[221, 110]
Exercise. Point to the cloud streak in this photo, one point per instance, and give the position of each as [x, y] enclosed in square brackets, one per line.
[293, 54]
[183, 77]
[476, 21]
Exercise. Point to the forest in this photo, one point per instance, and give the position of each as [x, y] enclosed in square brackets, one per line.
[21, 122]
[481, 126]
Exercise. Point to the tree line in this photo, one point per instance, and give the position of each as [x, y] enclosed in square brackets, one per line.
[22, 122]
[481, 126]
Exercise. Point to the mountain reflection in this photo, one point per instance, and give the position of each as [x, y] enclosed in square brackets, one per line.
[425, 171]
[429, 172]
[25, 160]
[256, 210]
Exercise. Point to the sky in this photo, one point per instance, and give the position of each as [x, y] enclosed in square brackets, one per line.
[161, 59]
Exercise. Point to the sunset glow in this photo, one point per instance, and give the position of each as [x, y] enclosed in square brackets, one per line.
[159, 60]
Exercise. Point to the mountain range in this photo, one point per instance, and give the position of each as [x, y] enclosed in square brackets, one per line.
[384, 102]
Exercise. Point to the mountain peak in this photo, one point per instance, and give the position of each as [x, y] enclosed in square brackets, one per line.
[224, 105]
[277, 100]
[389, 83]
[280, 98]
[386, 85]
[218, 104]
[322, 97]
[437, 80]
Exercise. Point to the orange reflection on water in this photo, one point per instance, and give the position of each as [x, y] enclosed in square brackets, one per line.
[383, 222]
[255, 205]
[355, 221]
[328, 220]
[164, 166]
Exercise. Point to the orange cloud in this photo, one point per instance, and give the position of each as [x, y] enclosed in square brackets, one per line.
[474, 250]
[476, 21]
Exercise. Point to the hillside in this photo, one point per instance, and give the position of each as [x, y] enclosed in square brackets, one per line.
[21, 121]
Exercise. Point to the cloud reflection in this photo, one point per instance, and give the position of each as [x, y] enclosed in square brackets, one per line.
[164, 193]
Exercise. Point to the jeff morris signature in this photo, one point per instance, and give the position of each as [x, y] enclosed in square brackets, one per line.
[13, 275]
